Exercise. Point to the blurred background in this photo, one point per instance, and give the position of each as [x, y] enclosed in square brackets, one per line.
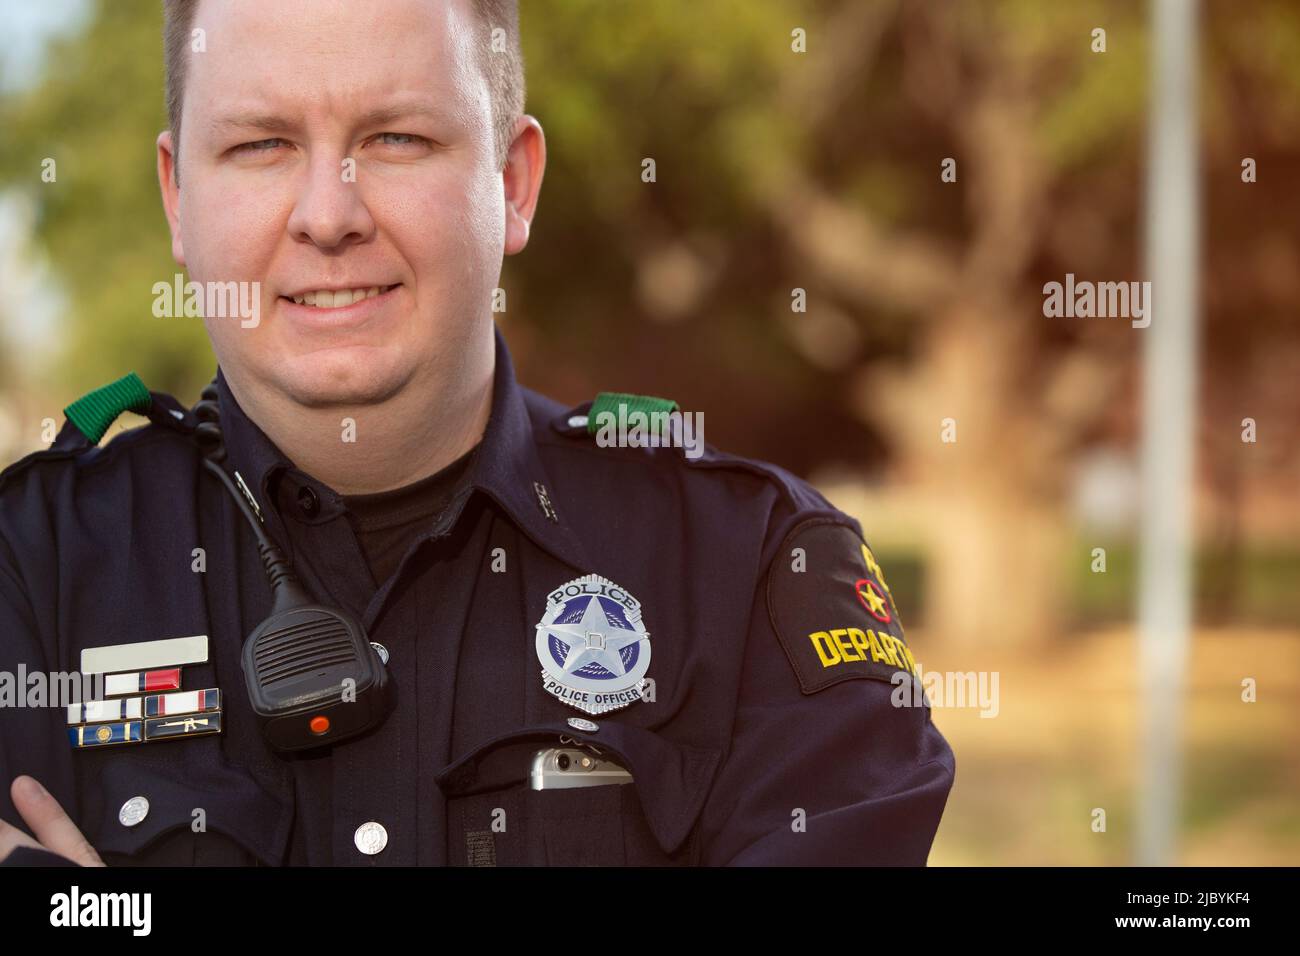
[819, 171]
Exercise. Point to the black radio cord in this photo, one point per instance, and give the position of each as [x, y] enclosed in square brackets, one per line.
[286, 590]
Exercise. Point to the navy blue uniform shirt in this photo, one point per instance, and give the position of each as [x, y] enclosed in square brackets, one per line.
[774, 735]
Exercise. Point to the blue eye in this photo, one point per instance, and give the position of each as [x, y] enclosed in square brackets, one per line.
[259, 146]
[404, 139]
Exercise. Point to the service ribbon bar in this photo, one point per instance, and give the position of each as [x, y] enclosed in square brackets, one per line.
[103, 735]
[96, 710]
[186, 702]
[166, 728]
[142, 681]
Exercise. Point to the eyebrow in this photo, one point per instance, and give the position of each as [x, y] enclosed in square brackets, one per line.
[274, 123]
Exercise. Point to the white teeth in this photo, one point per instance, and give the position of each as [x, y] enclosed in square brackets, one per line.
[325, 299]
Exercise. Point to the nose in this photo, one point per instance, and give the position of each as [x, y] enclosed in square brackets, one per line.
[330, 211]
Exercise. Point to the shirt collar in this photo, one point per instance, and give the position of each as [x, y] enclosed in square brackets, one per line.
[507, 468]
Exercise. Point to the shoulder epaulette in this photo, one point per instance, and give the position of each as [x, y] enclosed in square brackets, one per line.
[89, 418]
[609, 409]
[623, 405]
[95, 411]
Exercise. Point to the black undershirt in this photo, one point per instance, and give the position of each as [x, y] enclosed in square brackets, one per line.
[387, 522]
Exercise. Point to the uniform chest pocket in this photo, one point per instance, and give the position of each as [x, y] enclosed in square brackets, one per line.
[157, 809]
[595, 826]
[648, 822]
[523, 827]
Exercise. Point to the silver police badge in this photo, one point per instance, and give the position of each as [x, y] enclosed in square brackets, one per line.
[592, 645]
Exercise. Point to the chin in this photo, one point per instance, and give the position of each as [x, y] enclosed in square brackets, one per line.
[341, 377]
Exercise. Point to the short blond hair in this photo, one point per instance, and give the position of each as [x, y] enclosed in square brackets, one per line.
[504, 68]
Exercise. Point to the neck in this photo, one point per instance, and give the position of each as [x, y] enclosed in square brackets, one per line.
[370, 448]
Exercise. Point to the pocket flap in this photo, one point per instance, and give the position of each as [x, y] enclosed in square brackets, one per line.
[232, 802]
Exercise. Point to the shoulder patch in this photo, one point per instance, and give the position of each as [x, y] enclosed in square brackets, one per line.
[832, 610]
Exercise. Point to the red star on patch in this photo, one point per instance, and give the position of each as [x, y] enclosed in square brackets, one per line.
[872, 599]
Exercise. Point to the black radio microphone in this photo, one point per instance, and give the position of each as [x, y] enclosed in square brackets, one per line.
[312, 675]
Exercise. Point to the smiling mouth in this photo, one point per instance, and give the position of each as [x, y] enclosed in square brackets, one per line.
[327, 299]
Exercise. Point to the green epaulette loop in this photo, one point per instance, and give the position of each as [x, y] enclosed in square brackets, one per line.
[95, 411]
[612, 401]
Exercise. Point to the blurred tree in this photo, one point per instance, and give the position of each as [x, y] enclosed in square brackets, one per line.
[1046, 136]
[821, 171]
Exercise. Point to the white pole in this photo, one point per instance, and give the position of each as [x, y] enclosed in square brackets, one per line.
[1168, 423]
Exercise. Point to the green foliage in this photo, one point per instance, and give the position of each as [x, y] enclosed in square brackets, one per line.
[97, 111]
[1253, 588]
[691, 86]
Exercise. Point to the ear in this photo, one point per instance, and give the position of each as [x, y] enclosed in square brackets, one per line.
[525, 163]
[171, 192]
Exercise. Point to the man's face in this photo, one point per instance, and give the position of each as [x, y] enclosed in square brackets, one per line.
[334, 145]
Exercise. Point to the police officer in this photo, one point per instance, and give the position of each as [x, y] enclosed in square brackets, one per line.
[371, 602]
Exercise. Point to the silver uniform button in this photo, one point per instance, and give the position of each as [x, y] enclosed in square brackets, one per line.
[370, 838]
[580, 723]
[133, 811]
[381, 651]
